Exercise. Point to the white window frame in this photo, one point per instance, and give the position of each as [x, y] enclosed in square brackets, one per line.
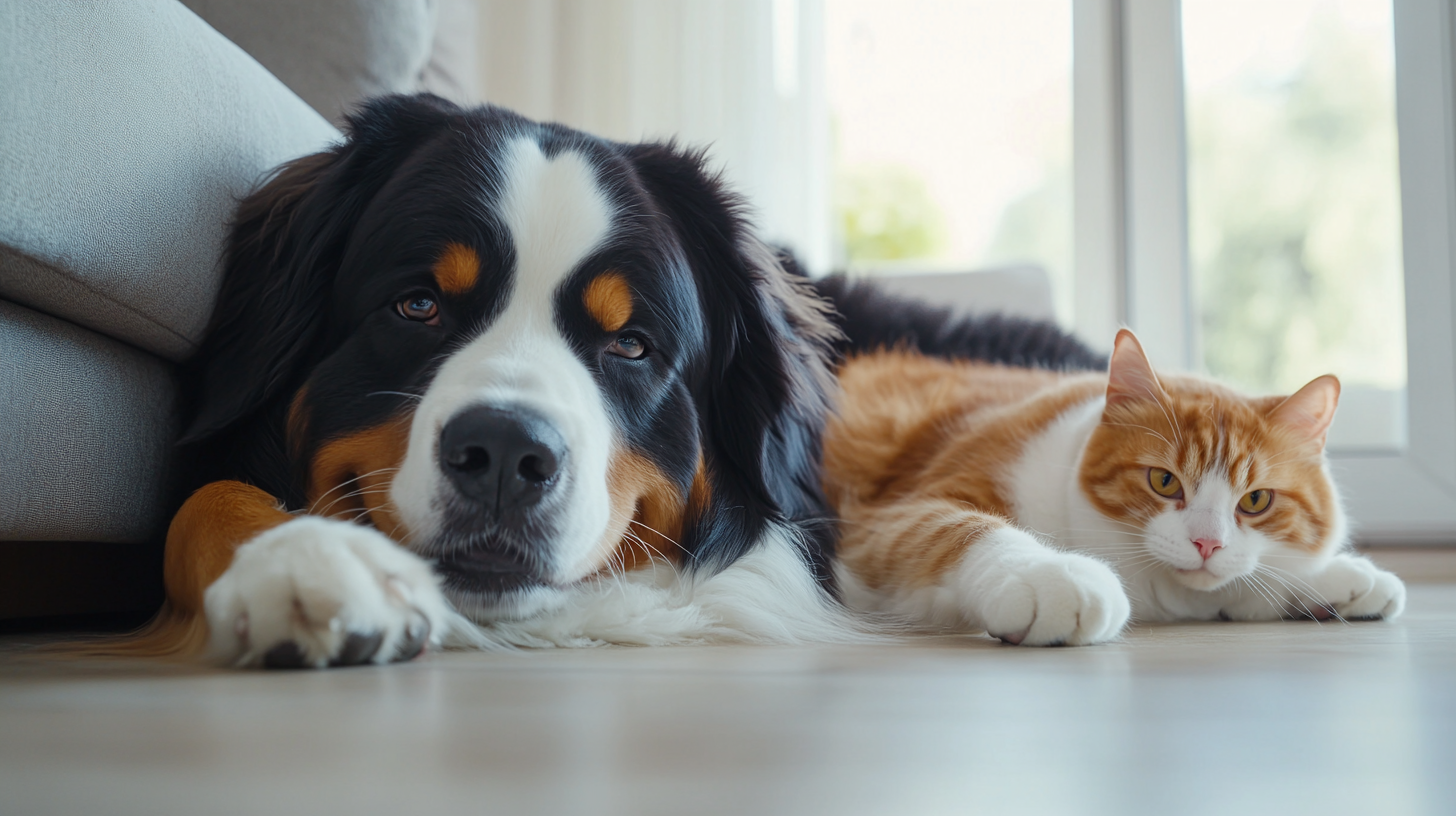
[1131, 236]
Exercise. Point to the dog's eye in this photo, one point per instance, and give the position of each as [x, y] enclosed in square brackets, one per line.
[419, 307]
[629, 345]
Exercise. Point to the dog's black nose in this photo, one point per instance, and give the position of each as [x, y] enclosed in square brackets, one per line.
[504, 458]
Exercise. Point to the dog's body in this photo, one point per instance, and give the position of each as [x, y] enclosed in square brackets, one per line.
[468, 364]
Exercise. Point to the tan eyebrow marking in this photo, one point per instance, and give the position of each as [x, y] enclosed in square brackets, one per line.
[457, 269]
[608, 299]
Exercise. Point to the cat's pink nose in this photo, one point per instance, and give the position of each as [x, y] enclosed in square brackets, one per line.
[1207, 546]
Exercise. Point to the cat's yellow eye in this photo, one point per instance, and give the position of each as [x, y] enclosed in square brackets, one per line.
[1255, 502]
[1164, 483]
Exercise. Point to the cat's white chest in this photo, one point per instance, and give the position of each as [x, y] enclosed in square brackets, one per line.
[1047, 498]
[1043, 481]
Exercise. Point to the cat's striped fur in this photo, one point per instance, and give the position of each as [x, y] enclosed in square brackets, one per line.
[1021, 502]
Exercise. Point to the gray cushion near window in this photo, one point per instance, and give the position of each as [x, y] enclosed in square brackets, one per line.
[130, 129]
[332, 53]
[88, 430]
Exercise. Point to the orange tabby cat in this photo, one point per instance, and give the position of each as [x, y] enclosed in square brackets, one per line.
[1048, 508]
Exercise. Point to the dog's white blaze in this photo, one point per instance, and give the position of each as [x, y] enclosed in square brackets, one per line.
[557, 215]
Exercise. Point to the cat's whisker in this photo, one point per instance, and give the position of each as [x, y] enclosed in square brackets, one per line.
[1245, 582]
[1123, 553]
[1291, 456]
[1152, 562]
[1168, 416]
[1293, 592]
[1266, 592]
[1145, 564]
[1119, 545]
[1125, 550]
[1134, 529]
[1139, 560]
[1149, 431]
[1286, 574]
[1123, 556]
[1280, 602]
[1314, 595]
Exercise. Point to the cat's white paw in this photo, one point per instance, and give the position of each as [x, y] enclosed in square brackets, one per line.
[1029, 594]
[1358, 590]
[317, 592]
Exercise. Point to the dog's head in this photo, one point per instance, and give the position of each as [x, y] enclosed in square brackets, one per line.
[530, 354]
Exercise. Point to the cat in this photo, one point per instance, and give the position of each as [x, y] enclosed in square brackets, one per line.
[1050, 508]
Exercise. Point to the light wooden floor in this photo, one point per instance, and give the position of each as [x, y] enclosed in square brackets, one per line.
[1286, 718]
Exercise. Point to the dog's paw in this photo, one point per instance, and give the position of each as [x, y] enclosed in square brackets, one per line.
[1035, 596]
[316, 592]
[1356, 589]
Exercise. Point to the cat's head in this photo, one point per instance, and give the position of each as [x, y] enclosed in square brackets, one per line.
[1210, 481]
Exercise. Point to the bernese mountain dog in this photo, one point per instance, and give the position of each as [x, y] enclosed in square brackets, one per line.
[475, 379]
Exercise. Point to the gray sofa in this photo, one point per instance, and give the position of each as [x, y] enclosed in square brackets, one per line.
[128, 129]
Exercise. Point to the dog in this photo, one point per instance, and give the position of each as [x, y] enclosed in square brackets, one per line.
[474, 379]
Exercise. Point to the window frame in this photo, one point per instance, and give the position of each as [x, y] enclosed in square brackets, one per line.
[1131, 262]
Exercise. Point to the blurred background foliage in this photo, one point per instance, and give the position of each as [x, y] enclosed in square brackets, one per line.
[886, 213]
[1294, 207]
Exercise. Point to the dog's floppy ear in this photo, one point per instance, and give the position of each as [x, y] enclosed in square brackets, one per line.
[287, 241]
[764, 396]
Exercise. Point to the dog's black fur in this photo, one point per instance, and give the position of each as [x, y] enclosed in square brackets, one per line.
[322, 252]
[871, 318]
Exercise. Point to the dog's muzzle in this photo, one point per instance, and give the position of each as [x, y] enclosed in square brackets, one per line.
[504, 460]
[504, 464]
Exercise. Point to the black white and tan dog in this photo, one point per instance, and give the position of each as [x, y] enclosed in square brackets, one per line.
[472, 378]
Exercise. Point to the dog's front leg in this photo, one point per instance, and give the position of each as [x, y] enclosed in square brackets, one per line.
[287, 591]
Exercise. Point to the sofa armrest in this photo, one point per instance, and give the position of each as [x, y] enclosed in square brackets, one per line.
[130, 129]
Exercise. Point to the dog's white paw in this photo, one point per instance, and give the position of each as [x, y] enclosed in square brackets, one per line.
[1358, 590]
[1028, 594]
[316, 592]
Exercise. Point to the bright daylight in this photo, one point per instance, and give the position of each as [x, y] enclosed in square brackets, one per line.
[728, 407]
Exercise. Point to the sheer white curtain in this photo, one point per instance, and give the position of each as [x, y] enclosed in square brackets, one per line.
[742, 77]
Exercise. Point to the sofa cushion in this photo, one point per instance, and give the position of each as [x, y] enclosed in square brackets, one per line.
[89, 425]
[332, 53]
[1022, 291]
[130, 129]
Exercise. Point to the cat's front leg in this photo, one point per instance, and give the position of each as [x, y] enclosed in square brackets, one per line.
[1025, 592]
[1347, 586]
[950, 566]
[1356, 589]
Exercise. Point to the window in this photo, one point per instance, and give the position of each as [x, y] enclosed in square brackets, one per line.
[1294, 203]
[951, 123]
[1264, 191]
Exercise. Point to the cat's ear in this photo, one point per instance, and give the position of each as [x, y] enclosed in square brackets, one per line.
[1310, 411]
[1130, 376]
